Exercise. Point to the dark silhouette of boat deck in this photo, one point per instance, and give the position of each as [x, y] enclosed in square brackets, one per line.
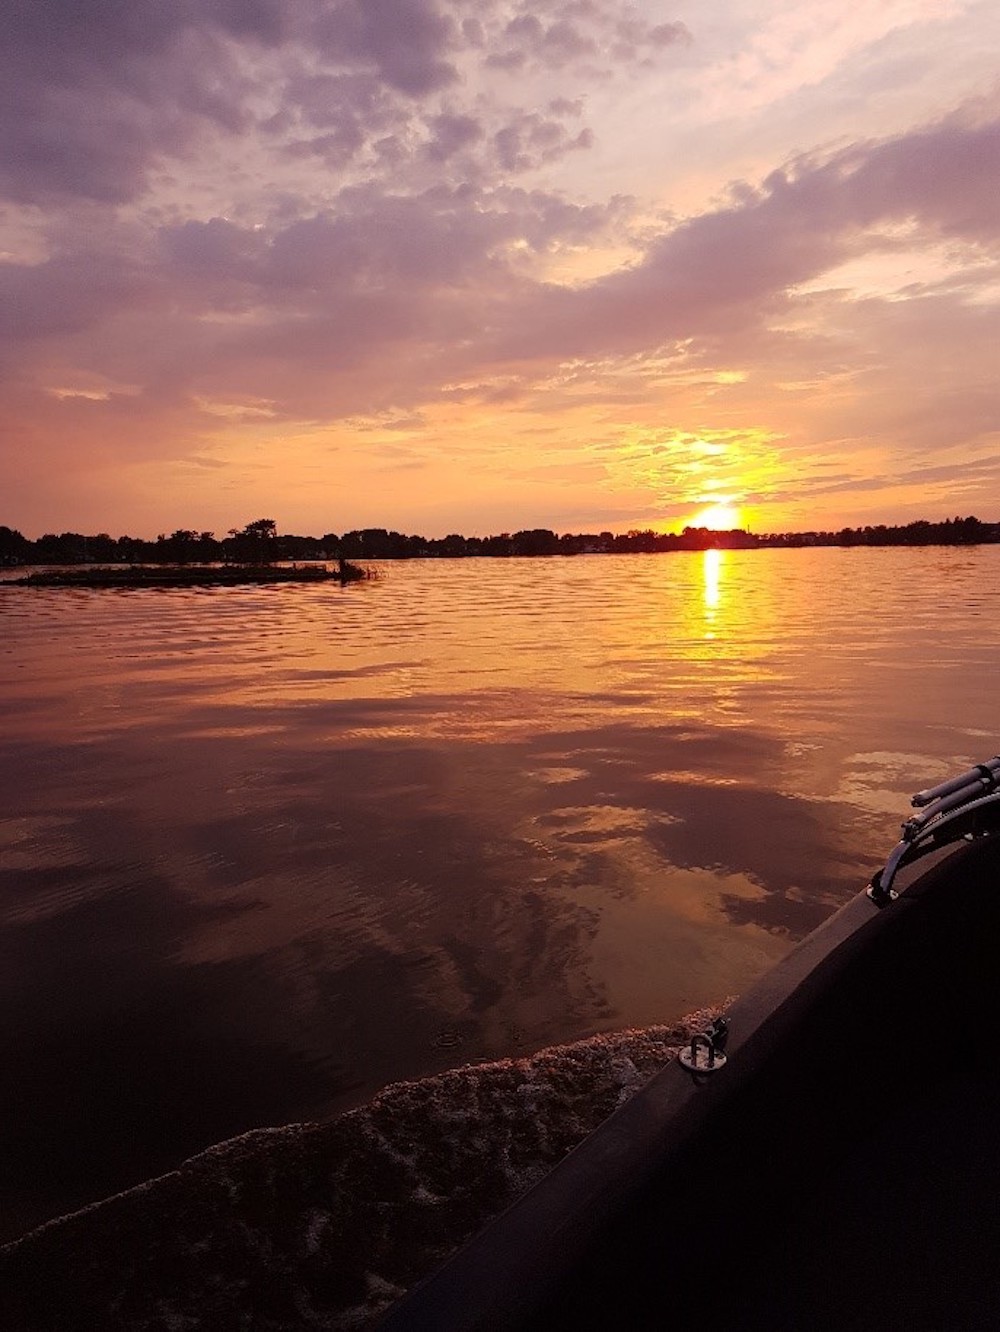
[842, 1170]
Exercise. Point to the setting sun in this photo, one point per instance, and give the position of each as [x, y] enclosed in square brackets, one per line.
[718, 517]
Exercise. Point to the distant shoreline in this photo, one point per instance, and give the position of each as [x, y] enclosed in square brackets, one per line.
[253, 547]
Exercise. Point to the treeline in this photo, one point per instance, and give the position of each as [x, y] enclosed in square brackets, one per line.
[950, 532]
[260, 542]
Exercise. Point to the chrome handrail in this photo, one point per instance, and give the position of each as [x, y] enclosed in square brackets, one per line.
[960, 807]
[974, 776]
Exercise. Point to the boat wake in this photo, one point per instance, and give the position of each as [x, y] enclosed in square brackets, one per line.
[328, 1224]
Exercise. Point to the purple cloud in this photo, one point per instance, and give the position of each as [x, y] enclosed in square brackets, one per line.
[95, 91]
[734, 268]
[529, 139]
[451, 134]
[556, 35]
[406, 41]
[99, 95]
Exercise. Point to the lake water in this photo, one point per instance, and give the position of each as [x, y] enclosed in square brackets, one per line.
[263, 851]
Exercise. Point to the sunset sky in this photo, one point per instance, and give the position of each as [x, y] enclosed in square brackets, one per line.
[481, 265]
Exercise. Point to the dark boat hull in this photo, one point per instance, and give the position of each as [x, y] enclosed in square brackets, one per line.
[841, 1171]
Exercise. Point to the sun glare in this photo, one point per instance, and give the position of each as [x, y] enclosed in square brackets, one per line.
[718, 517]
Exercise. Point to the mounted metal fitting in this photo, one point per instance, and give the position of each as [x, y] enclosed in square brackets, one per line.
[704, 1054]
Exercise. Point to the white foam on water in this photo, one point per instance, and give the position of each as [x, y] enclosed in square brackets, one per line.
[329, 1224]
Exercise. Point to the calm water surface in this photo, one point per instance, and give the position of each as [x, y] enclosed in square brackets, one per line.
[265, 850]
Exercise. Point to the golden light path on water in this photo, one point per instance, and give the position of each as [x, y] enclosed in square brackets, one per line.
[713, 560]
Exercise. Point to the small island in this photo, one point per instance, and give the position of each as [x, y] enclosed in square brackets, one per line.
[191, 575]
[251, 555]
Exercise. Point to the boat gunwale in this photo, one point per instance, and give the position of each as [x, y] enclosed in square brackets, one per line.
[505, 1274]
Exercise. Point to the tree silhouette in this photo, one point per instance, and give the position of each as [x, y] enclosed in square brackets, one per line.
[257, 542]
[14, 548]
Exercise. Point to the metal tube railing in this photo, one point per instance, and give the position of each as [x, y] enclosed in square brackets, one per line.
[969, 778]
[949, 810]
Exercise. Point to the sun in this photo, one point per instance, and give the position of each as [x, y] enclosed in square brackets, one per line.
[718, 517]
